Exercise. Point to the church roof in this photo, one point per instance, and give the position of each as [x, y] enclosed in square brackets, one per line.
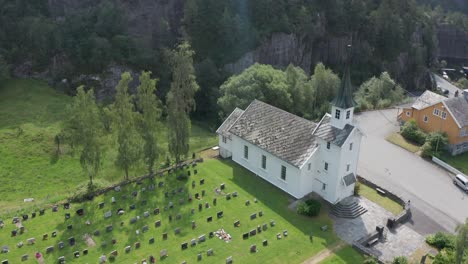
[287, 136]
[332, 134]
[231, 119]
[344, 98]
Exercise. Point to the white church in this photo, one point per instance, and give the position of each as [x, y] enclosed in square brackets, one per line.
[295, 154]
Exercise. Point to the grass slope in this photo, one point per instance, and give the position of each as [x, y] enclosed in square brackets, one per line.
[346, 255]
[273, 202]
[31, 114]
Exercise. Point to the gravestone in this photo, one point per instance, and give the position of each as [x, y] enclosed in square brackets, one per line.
[285, 233]
[253, 216]
[132, 207]
[170, 218]
[253, 248]
[144, 202]
[20, 244]
[260, 213]
[166, 194]
[197, 196]
[114, 241]
[209, 219]
[128, 249]
[210, 252]
[214, 201]
[188, 173]
[14, 232]
[137, 245]
[55, 208]
[184, 246]
[164, 235]
[144, 228]
[202, 181]
[107, 214]
[71, 241]
[69, 227]
[247, 203]
[194, 225]
[25, 217]
[229, 260]
[45, 236]
[202, 238]
[160, 184]
[156, 211]
[24, 257]
[211, 235]
[272, 223]
[103, 244]
[61, 245]
[181, 201]
[114, 253]
[67, 216]
[102, 259]
[146, 214]
[109, 228]
[222, 186]
[207, 205]
[133, 220]
[259, 229]
[66, 206]
[49, 249]
[192, 211]
[42, 212]
[265, 242]
[278, 236]
[171, 205]
[85, 251]
[193, 184]
[97, 232]
[117, 188]
[54, 233]
[31, 241]
[228, 196]
[163, 253]
[80, 212]
[219, 214]
[245, 235]
[265, 227]
[101, 205]
[151, 240]
[253, 232]
[21, 229]
[151, 187]
[200, 207]
[76, 254]
[199, 257]
[193, 242]
[61, 260]
[134, 193]
[237, 223]
[157, 223]
[178, 217]
[203, 192]
[177, 230]
[33, 214]
[195, 172]
[234, 194]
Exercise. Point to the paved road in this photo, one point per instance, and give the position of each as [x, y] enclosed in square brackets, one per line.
[444, 84]
[436, 203]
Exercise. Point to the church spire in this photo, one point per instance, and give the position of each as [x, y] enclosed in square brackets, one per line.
[344, 98]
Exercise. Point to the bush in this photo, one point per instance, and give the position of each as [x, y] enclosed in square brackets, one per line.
[309, 207]
[400, 260]
[441, 240]
[438, 140]
[412, 133]
[370, 261]
[426, 150]
[357, 188]
[444, 257]
[83, 191]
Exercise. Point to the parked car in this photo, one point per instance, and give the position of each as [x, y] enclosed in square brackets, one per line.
[461, 181]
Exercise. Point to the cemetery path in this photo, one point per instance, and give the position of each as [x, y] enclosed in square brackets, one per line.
[320, 256]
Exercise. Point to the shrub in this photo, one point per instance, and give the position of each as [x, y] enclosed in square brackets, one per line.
[444, 257]
[426, 150]
[441, 240]
[400, 260]
[309, 207]
[83, 191]
[370, 261]
[412, 133]
[438, 140]
[357, 188]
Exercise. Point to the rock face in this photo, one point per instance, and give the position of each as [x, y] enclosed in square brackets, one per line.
[453, 43]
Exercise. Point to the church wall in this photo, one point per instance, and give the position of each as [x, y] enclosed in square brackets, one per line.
[225, 148]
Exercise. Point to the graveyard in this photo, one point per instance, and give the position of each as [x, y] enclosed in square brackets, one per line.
[218, 213]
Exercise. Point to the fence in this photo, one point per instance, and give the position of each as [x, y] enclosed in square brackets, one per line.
[446, 166]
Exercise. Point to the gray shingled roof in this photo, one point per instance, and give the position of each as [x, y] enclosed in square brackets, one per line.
[344, 99]
[332, 134]
[458, 106]
[231, 119]
[349, 179]
[278, 132]
[427, 99]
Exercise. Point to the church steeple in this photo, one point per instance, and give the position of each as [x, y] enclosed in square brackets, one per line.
[343, 105]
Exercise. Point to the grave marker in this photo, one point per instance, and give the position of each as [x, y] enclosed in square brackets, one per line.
[203, 192]
[31, 241]
[202, 181]
[163, 253]
[265, 242]
[228, 196]
[25, 217]
[61, 260]
[144, 228]
[157, 223]
[41, 212]
[202, 238]
[184, 246]
[207, 205]
[101, 205]
[164, 235]
[223, 186]
[80, 212]
[85, 251]
[54, 233]
[245, 235]
[234, 194]
[209, 219]
[209, 252]
[55, 208]
[76, 254]
[146, 214]
[97, 232]
[214, 201]
[156, 211]
[144, 202]
[194, 225]
[253, 216]
[211, 235]
[229, 260]
[253, 232]
[49, 249]
[132, 207]
[177, 230]
[69, 227]
[151, 240]
[178, 217]
[107, 214]
[272, 223]
[137, 245]
[114, 253]
[253, 248]
[247, 203]
[199, 257]
[71, 241]
[193, 242]
[33, 214]
[45, 236]
[219, 214]
[260, 213]
[113, 199]
[109, 228]
[24, 257]
[128, 249]
[259, 229]
[237, 223]
[193, 184]
[117, 188]
[265, 227]
[61, 245]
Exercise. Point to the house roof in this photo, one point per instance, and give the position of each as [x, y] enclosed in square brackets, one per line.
[344, 98]
[276, 131]
[231, 119]
[332, 134]
[427, 99]
[349, 179]
[458, 108]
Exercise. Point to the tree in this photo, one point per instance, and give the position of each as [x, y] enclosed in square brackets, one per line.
[180, 100]
[298, 87]
[149, 104]
[325, 84]
[462, 83]
[85, 130]
[461, 246]
[377, 93]
[400, 260]
[261, 82]
[125, 120]
[4, 69]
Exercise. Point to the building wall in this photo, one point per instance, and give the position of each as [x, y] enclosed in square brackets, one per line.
[224, 148]
[272, 173]
[435, 123]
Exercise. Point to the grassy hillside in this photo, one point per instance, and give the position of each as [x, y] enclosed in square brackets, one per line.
[31, 114]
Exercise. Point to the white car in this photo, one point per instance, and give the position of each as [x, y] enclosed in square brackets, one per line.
[461, 181]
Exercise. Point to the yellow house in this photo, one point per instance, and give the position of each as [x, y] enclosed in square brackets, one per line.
[433, 112]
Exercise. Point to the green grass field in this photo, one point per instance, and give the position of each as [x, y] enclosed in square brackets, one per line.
[459, 162]
[31, 114]
[294, 248]
[387, 203]
[346, 255]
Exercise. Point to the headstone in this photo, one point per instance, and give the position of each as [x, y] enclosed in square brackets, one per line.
[54, 208]
[163, 253]
[160, 184]
[278, 236]
[166, 194]
[80, 212]
[31, 241]
[234, 194]
[253, 216]
[188, 173]
[253, 232]
[209, 252]
[61, 260]
[272, 223]
[259, 229]
[247, 203]
[202, 238]
[171, 205]
[197, 196]
[265, 242]
[144, 228]
[222, 186]
[237, 223]
[41, 212]
[112, 200]
[24, 257]
[253, 248]
[132, 207]
[21, 229]
[85, 251]
[209, 219]
[102, 259]
[181, 201]
[127, 249]
[67, 216]
[211, 235]
[164, 235]
[103, 244]
[134, 193]
[69, 227]
[192, 211]
[199, 256]
[203, 192]
[178, 217]
[207, 205]
[109, 228]
[71, 241]
[219, 214]
[193, 184]
[228, 196]
[54, 233]
[114, 253]
[45, 236]
[156, 211]
[177, 230]
[137, 245]
[33, 214]
[214, 201]
[260, 213]
[151, 187]
[194, 225]
[202, 181]
[117, 188]
[255, 200]
[14, 232]
[114, 241]
[193, 242]
[146, 214]
[25, 217]
[76, 254]
[49, 249]
[157, 223]
[265, 227]
[184, 246]
[107, 214]
[285, 233]
[170, 218]
[245, 235]
[144, 202]
[229, 260]
[151, 240]
[200, 207]
[97, 232]
[195, 172]
[5, 249]
[61, 245]
[66, 206]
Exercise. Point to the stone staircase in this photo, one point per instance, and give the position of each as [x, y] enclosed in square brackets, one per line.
[348, 208]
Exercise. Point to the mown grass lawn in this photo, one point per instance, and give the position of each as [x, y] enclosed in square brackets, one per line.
[387, 203]
[31, 114]
[294, 248]
[345, 255]
[459, 162]
[399, 140]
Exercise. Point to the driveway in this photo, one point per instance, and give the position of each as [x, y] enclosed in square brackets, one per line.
[437, 205]
[446, 85]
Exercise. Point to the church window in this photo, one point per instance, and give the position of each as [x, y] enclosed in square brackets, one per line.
[350, 146]
[347, 167]
[348, 114]
[263, 162]
[283, 172]
[326, 166]
[308, 166]
[328, 145]
[246, 152]
[224, 139]
[337, 113]
[324, 186]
